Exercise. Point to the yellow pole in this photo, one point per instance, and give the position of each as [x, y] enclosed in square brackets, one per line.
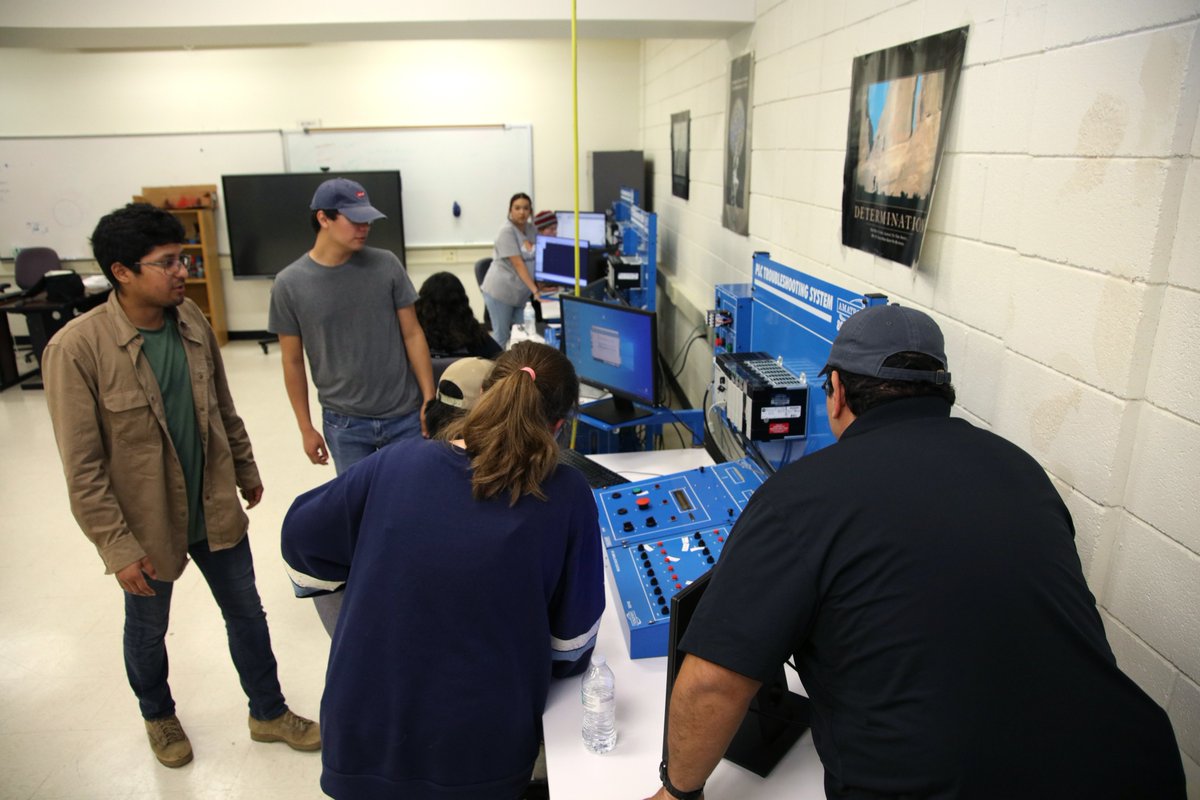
[575, 138]
[575, 132]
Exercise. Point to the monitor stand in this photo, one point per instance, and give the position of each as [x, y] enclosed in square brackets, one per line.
[616, 411]
[775, 720]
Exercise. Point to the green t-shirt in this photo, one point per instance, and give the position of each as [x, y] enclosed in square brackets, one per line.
[163, 348]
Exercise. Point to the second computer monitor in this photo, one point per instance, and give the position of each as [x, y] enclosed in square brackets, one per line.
[592, 226]
[613, 347]
[554, 261]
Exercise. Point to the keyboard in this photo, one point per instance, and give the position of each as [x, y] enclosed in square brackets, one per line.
[598, 476]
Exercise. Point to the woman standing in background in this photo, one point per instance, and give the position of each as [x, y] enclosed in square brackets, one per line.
[509, 281]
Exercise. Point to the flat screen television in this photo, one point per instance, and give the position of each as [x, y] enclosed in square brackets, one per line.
[613, 347]
[592, 226]
[777, 717]
[268, 217]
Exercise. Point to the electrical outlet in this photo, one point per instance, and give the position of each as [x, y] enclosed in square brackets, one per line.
[305, 124]
[450, 256]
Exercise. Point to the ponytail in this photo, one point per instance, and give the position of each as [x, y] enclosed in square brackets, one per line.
[508, 432]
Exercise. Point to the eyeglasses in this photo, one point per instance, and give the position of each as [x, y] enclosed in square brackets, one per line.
[170, 264]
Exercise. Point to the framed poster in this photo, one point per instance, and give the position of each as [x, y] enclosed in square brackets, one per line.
[901, 100]
[681, 131]
[736, 216]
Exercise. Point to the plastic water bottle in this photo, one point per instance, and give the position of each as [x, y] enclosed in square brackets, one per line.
[599, 706]
[530, 320]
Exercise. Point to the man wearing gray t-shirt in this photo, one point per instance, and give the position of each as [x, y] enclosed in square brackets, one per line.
[349, 308]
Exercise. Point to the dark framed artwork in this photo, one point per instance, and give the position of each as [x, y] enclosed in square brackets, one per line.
[736, 216]
[901, 101]
[681, 135]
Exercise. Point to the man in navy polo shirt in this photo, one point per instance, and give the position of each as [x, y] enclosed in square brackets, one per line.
[922, 574]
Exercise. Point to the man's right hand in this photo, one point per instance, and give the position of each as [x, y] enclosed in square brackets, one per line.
[314, 447]
[133, 577]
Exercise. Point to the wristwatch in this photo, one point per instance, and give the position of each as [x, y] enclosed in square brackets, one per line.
[679, 794]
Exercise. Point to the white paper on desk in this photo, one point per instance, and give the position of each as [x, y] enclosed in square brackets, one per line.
[96, 282]
[550, 307]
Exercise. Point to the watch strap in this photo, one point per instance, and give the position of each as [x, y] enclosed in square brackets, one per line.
[678, 794]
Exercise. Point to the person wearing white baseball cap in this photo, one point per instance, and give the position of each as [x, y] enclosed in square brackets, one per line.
[349, 309]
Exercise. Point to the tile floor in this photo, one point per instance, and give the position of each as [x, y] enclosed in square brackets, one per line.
[69, 725]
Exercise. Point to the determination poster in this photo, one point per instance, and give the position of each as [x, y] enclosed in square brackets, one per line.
[901, 101]
[736, 216]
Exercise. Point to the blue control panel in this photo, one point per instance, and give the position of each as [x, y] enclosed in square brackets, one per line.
[663, 533]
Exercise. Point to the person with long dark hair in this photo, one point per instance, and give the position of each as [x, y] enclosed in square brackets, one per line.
[449, 323]
[473, 574]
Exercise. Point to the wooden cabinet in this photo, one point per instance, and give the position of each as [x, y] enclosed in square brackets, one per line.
[200, 244]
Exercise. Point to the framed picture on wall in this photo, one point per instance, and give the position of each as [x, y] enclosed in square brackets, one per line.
[901, 100]
[681, 132]
[736, 216]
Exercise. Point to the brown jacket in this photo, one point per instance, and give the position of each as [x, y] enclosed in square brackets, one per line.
[124, 478]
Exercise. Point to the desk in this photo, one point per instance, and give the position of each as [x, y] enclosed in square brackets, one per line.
[630, 771]
[44, 318]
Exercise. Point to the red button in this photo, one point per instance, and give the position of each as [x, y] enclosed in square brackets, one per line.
[663, 551]
[679, 586]
[643, 502]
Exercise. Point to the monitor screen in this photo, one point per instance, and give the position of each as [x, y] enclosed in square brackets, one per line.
[554, 261]
[592, 226]
[613, 347]
[268, 217]
[776, 718]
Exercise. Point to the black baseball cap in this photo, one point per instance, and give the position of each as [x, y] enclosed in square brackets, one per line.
[346, 197]
[871, 336]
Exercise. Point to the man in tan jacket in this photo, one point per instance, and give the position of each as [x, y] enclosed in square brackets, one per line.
[155, 456]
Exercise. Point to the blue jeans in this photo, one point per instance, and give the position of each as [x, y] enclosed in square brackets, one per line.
[503, 317]
[351, 439]
[230, 576]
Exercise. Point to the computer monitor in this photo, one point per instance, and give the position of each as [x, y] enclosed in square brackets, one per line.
[776, 719]
[268, 217]
[592, 226]
[613, 347]
[554, 261]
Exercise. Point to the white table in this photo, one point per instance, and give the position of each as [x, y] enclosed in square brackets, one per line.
[631, 770]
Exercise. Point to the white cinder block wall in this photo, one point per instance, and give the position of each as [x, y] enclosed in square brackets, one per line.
[1062, 258]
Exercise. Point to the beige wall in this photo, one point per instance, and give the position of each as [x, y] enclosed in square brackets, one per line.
[342, 85]
[1061, 258]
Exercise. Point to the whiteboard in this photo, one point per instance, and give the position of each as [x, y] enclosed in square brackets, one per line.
[53, 190]
[478, 167]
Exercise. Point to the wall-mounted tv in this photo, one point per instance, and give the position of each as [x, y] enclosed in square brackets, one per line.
[268, 217]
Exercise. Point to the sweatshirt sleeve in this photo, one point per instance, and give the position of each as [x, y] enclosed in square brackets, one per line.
[321, 530]
[578, 601]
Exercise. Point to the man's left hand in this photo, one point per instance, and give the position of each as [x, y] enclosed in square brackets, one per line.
[252, 496]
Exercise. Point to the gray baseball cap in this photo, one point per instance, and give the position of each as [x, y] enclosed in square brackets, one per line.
[346, 197]
[871, 336]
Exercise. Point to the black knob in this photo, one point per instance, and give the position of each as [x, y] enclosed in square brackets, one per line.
[705, 551]
[657, 590]
[666, 610]
[654, 581]
[710, 559]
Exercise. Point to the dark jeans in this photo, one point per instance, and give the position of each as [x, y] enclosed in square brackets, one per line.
[230, 576]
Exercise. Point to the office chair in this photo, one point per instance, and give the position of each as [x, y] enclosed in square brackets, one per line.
[481, 268]
[32, 264]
